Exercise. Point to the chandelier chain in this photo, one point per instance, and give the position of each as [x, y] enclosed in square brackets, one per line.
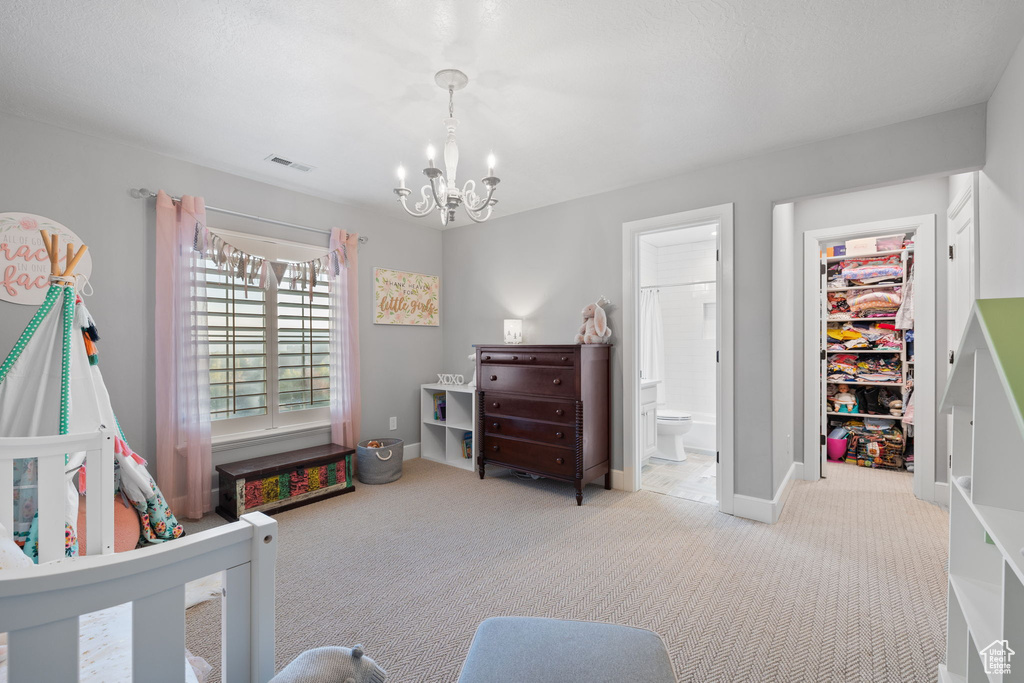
[451, 102]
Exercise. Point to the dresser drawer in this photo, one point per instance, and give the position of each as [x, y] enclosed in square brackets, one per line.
[541, 380]
[563, 412]
[544, 432]
[529, 358]
[558, 462]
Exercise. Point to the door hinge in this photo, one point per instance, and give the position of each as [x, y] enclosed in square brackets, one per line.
[718, 456]
[950, 461]
[716, 255]
[821, 437]
[823, 269]
[823, 354]
[951, 252]
[717, 357]
[951, 357]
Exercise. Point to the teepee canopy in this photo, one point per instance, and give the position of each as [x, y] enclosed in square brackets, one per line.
[51, 384]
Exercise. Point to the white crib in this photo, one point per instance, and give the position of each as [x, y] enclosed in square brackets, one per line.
[40, 606]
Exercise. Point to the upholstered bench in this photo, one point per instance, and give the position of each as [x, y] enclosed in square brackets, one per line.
[517, 649]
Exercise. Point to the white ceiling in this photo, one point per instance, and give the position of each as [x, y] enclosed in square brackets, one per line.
[574, 97]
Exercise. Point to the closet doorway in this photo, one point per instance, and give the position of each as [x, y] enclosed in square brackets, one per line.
[865, 362]
[678, 431]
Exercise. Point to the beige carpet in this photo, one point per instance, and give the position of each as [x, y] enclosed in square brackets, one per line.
[848, 586]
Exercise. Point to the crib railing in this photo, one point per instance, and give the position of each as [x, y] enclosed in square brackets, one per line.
[49, 452]
[40, 606]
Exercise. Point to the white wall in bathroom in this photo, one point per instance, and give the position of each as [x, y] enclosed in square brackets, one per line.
[648, 264]
[688, 317]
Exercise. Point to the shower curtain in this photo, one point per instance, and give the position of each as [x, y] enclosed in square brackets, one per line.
[652, 340]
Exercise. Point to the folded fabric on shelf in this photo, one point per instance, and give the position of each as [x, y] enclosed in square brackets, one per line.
[872, 270]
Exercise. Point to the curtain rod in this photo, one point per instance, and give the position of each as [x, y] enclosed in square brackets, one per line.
[680, 284]
[145, 193]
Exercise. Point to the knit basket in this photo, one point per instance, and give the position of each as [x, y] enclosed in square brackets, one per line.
[379, 465]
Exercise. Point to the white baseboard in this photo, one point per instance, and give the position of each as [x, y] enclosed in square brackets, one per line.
[411, 451]
[942, 494]
[762, 509]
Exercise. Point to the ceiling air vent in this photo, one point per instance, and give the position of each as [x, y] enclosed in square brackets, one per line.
[305, 168]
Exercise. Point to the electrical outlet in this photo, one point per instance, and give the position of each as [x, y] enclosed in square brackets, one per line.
[393, 423]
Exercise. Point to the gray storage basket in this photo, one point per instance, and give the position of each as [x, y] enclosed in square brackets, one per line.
[379, 465]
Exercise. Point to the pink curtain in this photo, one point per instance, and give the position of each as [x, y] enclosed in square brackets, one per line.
[183, 457]
[345, 406]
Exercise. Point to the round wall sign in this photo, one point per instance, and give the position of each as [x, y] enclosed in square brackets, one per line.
[24, 265]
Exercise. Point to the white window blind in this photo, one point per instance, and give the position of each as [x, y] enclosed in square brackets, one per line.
[303, 338]
[269, 349]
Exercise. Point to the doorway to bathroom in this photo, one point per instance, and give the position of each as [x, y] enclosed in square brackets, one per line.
[677, 281]
[678, 343]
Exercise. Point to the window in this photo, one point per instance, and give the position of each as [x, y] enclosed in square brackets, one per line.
[269, 350]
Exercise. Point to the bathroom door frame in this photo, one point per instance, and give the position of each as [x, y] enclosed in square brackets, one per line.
[722, 216]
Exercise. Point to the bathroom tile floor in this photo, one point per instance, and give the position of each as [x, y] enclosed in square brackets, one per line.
[692, 479]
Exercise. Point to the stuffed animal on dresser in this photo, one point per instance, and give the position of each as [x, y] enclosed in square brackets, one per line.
[594, 329]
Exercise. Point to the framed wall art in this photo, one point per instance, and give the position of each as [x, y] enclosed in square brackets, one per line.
[402, 298]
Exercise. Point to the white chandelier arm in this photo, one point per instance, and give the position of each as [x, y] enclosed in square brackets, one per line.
[470, 193]
[423, 207]
[433, 191]
[475, 215]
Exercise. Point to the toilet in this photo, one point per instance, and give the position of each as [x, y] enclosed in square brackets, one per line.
[672, 424]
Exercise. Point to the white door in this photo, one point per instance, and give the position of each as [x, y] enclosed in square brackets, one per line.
[963, 274]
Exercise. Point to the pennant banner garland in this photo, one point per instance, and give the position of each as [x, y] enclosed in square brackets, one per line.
[259, 272]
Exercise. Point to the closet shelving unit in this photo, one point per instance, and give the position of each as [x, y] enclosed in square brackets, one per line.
[985, 599]
[442, 440]
[830, 418]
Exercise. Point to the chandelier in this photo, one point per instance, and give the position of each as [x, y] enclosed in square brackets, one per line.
[441, 191]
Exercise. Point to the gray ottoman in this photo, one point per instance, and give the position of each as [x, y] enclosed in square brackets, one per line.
[517, 649]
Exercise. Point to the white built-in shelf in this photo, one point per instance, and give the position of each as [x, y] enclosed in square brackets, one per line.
[856, 287]
[986, 517]
[861, 320]
[884, 417]
[441, 440]
[895, 351]
[866, 384]
[837, 259]
[981, 603]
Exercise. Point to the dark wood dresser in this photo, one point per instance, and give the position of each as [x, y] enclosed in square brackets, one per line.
[545, 410]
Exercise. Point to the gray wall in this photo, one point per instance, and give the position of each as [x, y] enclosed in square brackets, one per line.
[82, 182]
[1001, 187]
[546, 264]
[930, 196]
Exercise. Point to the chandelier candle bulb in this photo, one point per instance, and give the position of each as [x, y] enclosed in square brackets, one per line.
[401, 177]
[490, 164]
[430, 155]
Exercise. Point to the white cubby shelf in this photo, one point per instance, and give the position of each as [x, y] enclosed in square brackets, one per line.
[985, 395]
[441, 440]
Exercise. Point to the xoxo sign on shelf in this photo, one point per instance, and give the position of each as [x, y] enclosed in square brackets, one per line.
[24, 265]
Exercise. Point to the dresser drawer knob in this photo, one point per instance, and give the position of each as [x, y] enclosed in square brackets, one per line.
[496, 425]
[515, 357]
[559, 460]
[559, 412]
[487, 357]
[494, 378]
[559, 435]
[494, 448]
[558, 381]
[495, 405]
[533, 357]
[565, 358]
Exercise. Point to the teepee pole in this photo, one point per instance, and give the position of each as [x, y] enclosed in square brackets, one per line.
[73, 260]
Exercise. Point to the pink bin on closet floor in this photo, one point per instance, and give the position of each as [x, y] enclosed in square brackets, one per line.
[835, 449]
